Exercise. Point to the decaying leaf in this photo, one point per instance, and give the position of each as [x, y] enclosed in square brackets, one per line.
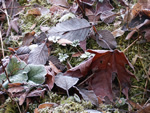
[100, 71]
[73, 29]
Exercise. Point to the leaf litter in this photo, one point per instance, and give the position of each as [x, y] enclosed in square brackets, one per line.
[62, 29]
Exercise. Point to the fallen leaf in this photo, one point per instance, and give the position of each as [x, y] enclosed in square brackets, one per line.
[23, 50]
[118, 32]
[105, 39]
[89, 95]
[100, 70]
[73, 29]
[53, 67]
[108, 16]
[65, 82]
[50, 78]
[63, 3]
[28, 38]
[34, 11]
[103, 6]
[44, 105]
[39, 55]
[88, 2]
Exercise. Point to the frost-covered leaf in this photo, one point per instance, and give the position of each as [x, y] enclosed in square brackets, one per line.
[65, 82]
[36, 74]
[39, 55]
[105, 39]
[73, 29]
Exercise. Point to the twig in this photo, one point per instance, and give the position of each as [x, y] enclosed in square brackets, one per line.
[131, 44]
[4, 90]
[4, 6]
[5, 72]
[86, 79]
[2, 46]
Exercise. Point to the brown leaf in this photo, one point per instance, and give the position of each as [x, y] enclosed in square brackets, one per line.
[54, 68]
[28, 38]
[90, 13]
[105, 39]
[108, 16]
[39, 55]
[100, 71]
[44, 105]
[34, 11]
[50, 77]
[103, 6]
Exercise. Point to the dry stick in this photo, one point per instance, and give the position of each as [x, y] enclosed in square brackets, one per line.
[86, 79]
[131, 44]
[2, 46]
[4, 90]
[4, 6]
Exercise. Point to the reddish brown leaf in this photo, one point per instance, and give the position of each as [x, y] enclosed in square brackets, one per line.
[50, 77]
[101, 69]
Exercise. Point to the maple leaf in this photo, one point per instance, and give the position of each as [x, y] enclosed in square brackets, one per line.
[99, 71]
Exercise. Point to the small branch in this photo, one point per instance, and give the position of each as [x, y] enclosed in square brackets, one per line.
[2, 45]
[4, 6]
[86, 79]
[5, 72]
[132, 44]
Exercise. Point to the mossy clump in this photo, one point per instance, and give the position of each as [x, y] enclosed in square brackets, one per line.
[66, 104]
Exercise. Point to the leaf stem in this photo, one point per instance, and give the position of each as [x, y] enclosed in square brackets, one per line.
[132, 44]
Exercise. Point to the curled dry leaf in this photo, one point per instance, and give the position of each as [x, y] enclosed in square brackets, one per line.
[99, 72]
